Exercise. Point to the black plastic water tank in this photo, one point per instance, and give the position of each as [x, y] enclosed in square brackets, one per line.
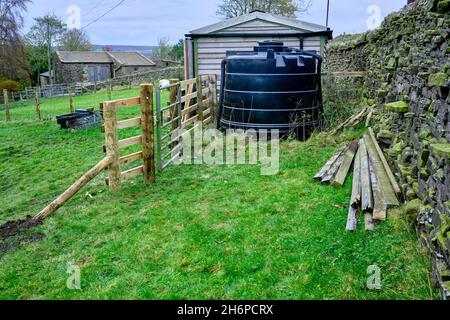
[273, 87]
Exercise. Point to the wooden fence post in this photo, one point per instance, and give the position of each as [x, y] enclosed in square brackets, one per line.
[37, 100]
[199, 99]
[7, 106]
[112, 145]
[148, 134]
[213, 97]
[69, 87]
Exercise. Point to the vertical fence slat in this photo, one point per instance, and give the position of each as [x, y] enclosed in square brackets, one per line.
[199, 98]
[213, 97]
[70, 91]
[112, 146]
[147, 126]
[172, 100]
[7, 106]
[159, 122]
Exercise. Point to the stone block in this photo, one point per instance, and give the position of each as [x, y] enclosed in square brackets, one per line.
[441, 150]
[439, 79]
[398, 106]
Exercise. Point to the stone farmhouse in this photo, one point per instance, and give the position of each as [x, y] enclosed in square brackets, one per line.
[89, 66]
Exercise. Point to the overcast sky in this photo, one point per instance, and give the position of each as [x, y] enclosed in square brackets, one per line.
[143, 22]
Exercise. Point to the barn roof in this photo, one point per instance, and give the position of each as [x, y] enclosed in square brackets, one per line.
[259, 15]
[83, 57]
[134, 59]
[131, 59]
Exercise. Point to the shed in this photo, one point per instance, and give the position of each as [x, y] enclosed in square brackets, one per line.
[90, 66]
[205, 48]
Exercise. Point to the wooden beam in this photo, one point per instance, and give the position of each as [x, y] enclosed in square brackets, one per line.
[112, 145]
[388, 170]
[341, 175]
[125, 143]
[329, 164]
[352, 220]
[148, 135]
[129, 123]
[328, 177]
[383, 179]
[200, 108]
[379, 204]
[132, 157]
[132, 173]
[366, 185]
[69, 193]
[127, 102]
[355, 200]
[172, 101]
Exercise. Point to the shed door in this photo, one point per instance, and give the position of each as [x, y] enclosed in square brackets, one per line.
[98, 73]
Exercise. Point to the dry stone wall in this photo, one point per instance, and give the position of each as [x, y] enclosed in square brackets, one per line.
[407, 68]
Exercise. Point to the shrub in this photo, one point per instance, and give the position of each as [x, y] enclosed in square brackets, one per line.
[10, 85]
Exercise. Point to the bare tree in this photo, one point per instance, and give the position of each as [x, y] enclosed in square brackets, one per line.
[163, 51]
[47, 30]
[13, 64]
[75, 40]
[289, 8]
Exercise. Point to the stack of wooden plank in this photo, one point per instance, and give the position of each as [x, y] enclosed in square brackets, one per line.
[375, 188]
[337, 168]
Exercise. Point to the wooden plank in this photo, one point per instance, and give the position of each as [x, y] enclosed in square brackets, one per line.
[355, 199]
[366, 186]
[71, 107]
[129, 123]
[328, 177]
[132, 157]
[125, 143]
[172, 101]
[128, 102]
[386, 166]
[132, 173]
[207, 121]
[341, 175]
[329, 164]
[70, 192]
[190, 121]
[148, 136]
[352, 220]
[188, 111]
[379, 205]
[368, 220]
[188, 82]
[383, 179]
[112, 145]
[200, 99]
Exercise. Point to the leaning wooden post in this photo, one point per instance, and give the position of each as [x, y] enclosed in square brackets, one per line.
[69, 87]
[7, 106]
[112, 145]
[37, 100]
[148, 137]
[200, 108]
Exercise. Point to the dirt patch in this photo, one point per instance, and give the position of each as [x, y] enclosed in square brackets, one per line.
[18, 232]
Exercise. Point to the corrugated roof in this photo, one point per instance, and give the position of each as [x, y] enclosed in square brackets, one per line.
[258, 15]
[134, 59]
[84, 57]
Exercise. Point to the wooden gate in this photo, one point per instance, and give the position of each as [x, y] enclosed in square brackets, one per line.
[192, 103]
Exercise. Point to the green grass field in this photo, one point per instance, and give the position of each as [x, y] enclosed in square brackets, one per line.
[200, 232]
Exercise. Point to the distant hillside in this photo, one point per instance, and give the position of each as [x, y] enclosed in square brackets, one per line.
[145, 50]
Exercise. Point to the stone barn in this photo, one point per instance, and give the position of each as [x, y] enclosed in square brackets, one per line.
[89, 66]
[205, 48]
